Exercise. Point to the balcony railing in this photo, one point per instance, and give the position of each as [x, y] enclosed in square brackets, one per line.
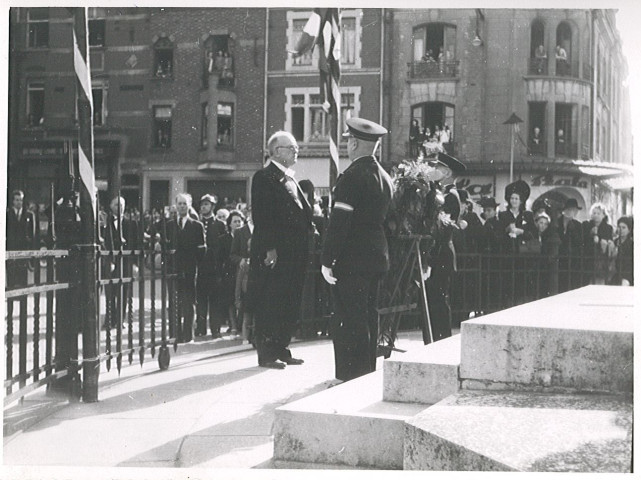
[538, 66]
[540, 148]
[433, 69]
[566, 149]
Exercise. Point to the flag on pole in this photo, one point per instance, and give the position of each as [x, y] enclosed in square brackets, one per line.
[323, 29]
[85, 121]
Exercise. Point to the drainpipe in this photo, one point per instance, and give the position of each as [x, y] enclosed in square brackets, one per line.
[595, 69]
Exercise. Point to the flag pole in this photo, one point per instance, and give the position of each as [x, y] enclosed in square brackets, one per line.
[89, 249]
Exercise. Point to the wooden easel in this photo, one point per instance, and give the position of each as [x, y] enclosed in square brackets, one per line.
[403, 276]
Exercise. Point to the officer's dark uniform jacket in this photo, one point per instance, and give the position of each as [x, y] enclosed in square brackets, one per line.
[355, 240]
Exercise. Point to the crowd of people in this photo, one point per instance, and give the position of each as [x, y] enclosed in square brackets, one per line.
[420, 138]
[531, 254]
[244, 266]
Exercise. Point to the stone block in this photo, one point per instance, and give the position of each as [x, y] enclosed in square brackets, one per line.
[426, 374]
[580, 341]
[527, 432]
[348, 424]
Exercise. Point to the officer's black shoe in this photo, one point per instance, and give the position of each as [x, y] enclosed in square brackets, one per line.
[275, 365]
[293, 361]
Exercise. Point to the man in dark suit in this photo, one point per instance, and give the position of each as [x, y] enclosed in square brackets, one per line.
[208, 270]
[571, 248]
[355, 252]
[119, 233]
[187, 237]
[282, 222]
[22, 234]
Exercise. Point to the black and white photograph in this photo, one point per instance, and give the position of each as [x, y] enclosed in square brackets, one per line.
[273, 240]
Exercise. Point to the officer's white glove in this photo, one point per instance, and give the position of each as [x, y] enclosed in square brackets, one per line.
[328, 275]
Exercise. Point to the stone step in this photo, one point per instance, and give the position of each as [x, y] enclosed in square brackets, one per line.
[522, 431]
[577, 341]
[426, 374]
[348, 424]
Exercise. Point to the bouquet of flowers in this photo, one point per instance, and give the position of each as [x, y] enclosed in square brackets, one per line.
[414, 202]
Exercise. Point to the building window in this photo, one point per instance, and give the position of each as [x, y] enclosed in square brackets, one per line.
[434, 51]
[225, 116]
[97, 33]
[585, 132]
[99, 95]
[38, 27]
[563, 130]
[435, 123]
[298, 117]
[538, 49]
[306, 118]
[217, 58]
[434, 42]
[297, 27]
[204, 122]
[162, 126]
[351, 32]
[35, 104]
[563, 49]
[348, 40]
[536, 134]
[163, 58]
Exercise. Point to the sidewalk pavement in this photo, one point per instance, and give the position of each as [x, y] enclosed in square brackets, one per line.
[213, 408]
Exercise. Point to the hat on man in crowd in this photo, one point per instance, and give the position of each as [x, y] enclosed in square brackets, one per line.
[571, 203]
[363, 129]
[519, 187]
[487, 202]
[208, 198]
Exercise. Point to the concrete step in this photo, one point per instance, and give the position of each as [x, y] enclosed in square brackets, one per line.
[577, 341]
[522, 431]
[426, 374]
[348, 424]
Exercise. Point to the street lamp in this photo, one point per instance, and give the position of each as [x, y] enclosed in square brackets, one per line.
[513, 120]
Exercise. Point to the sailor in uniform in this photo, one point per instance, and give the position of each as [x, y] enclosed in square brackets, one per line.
[355, 252]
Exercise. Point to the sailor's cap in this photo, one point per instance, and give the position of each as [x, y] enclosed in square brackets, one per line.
[364, 129]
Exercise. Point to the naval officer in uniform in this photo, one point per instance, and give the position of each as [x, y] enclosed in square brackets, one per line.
[355, 254]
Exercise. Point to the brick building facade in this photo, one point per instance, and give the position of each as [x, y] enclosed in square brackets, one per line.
[293, 87]
[489, 69]
[168, 116]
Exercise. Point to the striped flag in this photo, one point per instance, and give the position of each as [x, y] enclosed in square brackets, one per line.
[323, 29]
[85, 121]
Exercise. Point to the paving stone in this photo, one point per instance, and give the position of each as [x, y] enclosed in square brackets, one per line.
[522, 432]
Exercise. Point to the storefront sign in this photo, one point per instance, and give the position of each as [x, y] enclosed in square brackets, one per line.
[549, 180]
[476, 187]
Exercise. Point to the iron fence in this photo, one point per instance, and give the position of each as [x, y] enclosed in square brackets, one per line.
[137, 311]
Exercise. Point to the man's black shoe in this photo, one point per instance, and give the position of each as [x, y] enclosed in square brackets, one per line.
[294, 361]
[275, 365]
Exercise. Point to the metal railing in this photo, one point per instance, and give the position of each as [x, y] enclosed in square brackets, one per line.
[538, 66]
[137, 311]
[433, 69]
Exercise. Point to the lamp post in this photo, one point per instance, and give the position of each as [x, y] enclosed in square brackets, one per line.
[513, 121]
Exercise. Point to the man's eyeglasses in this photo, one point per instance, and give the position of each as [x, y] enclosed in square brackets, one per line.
[293, 148]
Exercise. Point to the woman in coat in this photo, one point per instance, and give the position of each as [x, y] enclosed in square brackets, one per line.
[624, 244]
[517, 226]
[597, 239]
